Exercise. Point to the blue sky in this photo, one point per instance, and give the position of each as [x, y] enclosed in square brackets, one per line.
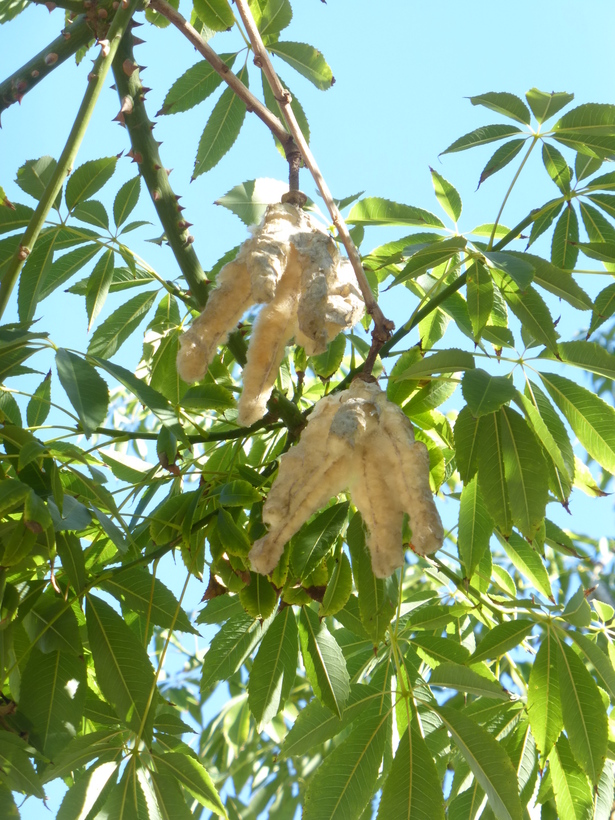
[402, 73]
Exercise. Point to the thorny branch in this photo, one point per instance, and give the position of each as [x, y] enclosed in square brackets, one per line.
[382, 325]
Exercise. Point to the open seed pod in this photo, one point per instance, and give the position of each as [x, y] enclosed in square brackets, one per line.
[309, 294]
[355, 440]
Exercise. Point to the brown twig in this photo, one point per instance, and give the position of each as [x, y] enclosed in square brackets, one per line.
[382, 325]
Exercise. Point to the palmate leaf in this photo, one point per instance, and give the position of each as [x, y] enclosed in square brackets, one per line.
[545, 105]
[573, 795]
[485, 393]
[65, 266]
[125, 800]
[557, 167]
[412, 788]
[124, 672]
[221, 130]
[543, 696]
[475, 527]
[86, 390]
[52, 698]
[442, 361]
[466, 435]
[216, 14]
[488, 761]
[273, 671]
[456, 676]
[528, 562]
[479, 296]
[583, 712]
[342, 786]
[597, 658]
[560, 479]
[504, 103]
[324, 662]
[589, 129]
[556, 281]
[491, 475]
[126, 200]
[447, 195]
[564, 245]
[16, 770]
[591, 418]
[535, 317]
[34, 274]
[98, 286]
[589, 356]
[230, 647]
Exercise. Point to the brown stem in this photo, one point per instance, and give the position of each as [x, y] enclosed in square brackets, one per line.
[382, 325]
[145, 153]
[72, 38]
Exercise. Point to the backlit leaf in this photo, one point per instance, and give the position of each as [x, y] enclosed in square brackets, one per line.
[378, 211]
[86, 390]
[87, 179]
[273, 671]
[221, 130]
[307, 60]
[324, 662]
[504, 103]
[475, 527]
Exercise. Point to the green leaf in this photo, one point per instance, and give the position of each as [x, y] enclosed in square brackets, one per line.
[221, 130]
[52, 626]
[85, 748]
[89, 178]
[327, 363]
[589, 356]
[34, 274]
[18, 772]
[475, 527]
[142, 592]
[564, 245]
[557, 167]
[526, 473]
[149, 397]
[491, 476]
[376, 605]
[125, 799]
[501, 639]
[573, 795]
[516, 266]
[558, 282]
[18, 216]
[119, 326]
[379, 211]
[602, 251]
[500, 159]
[52, 698]
[479, 296]
[124, 672]
[605, 202]
[528, 562]
[8, 809]
[585, 718]
[559, 472]
[126, 200]
[456, 676]
[98, 286]
[488, 761]
[93, 212]
[307, 60]
[238, 493]
[230, 647]
[259, 597]
[187, 770]
[482, 136]
[345, 781]
[216, 14]
[447, 195]
[203, 397]
[73, 562]
[274, 106]
[598, 227]
[531, 310]
[194, 86]
[603, 802]
[339, 587]
[597, 658]
[324, 662]
[314, 540]
[545, 105]
[431, 256]
[249, 200]
[39, 404]
[466, 432]
[544, 218]
[589, 129]
[86, 390]
[592, 419]
[65, 266]
[442, 361]
[412, 788]
[485, 393]
[273, 671]
[504, 103]
[432, 649]
[169, 797]
[34, 176]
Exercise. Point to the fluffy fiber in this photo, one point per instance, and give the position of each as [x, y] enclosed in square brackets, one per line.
[293, 267]
[359, 441]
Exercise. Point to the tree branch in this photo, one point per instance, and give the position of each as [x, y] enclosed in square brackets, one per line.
[145, 153]
[74, 6]
[382, 325]
[72, 38]
[96, 80]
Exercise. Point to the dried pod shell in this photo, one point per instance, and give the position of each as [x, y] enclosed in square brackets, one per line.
[359, 441]
[293, 267]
